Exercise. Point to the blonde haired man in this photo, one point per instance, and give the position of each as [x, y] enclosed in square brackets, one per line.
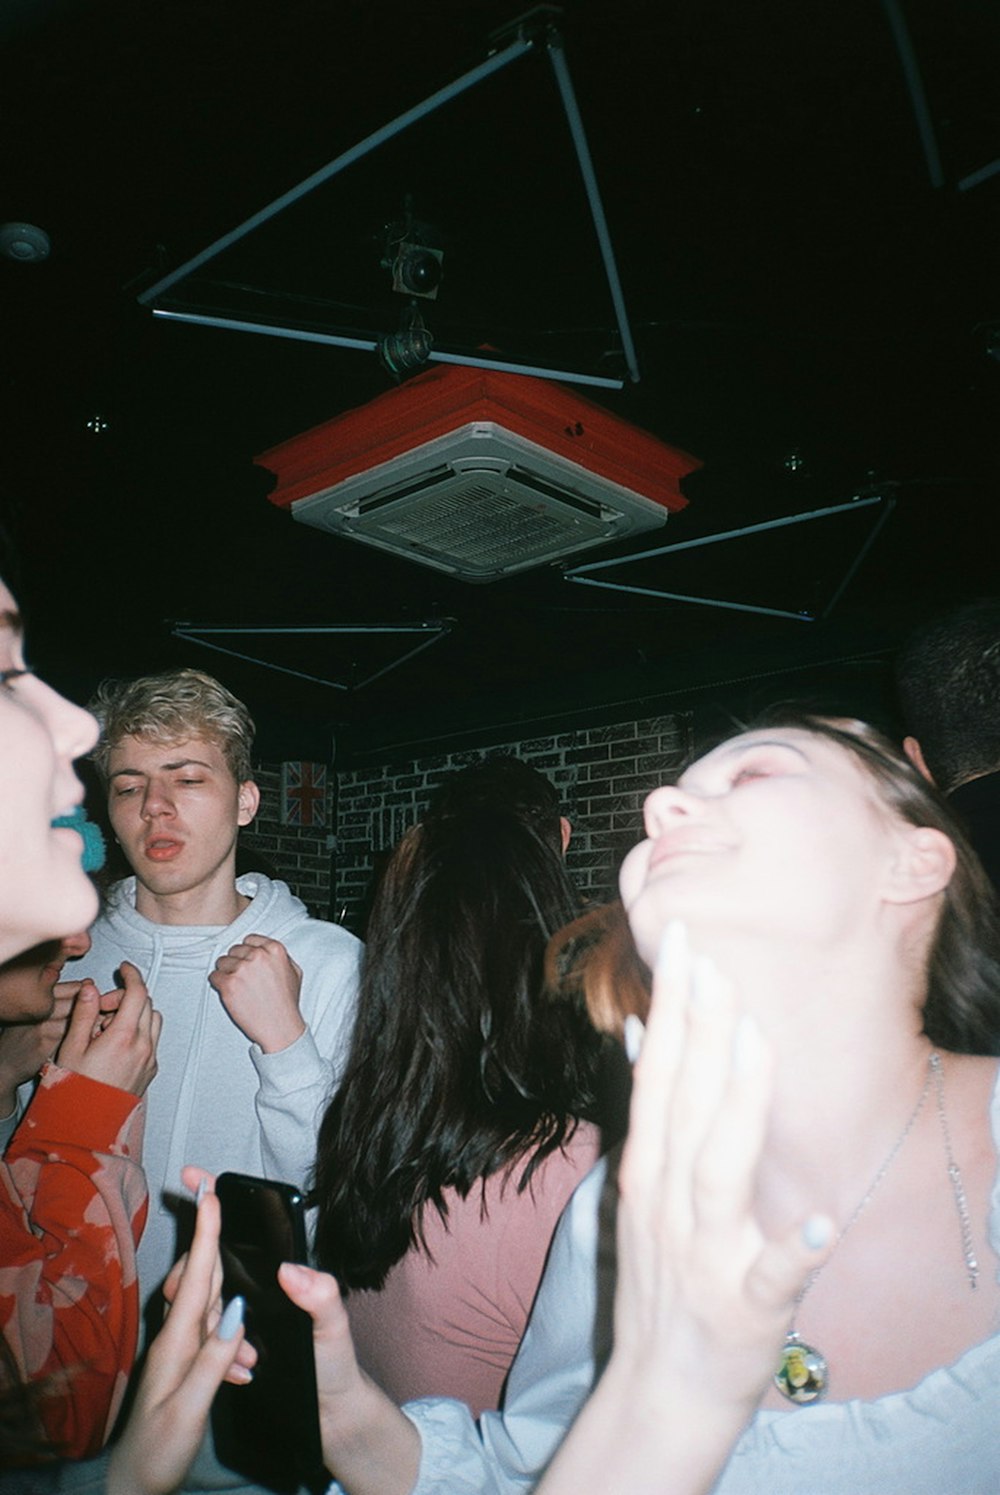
[257, 997]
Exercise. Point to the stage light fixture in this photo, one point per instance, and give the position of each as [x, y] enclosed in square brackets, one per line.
[417, 271]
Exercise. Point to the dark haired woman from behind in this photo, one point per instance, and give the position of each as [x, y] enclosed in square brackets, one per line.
[456, 1138]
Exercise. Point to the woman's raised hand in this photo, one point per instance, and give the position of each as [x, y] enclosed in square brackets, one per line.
[195, 1351]
[703, 1296]
[701, 1289]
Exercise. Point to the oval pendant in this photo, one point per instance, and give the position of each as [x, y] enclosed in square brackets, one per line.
[802, 1371]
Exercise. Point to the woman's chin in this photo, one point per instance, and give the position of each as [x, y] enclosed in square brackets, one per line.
[73, 901]
[648, 928]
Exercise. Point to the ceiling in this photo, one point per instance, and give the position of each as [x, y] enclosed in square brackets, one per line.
[806, 229]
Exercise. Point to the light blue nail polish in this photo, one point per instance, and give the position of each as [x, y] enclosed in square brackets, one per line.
[231, 1319]
[673, 946]
[633, 1032]
[201, 1190]
[816, 1232]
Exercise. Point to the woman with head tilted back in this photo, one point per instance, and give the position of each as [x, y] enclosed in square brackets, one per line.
[450, 1149]
[828, 883]
[810, 1301]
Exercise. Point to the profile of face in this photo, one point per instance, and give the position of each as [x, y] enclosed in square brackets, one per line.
[27, 983]
[778, 833]
[176, 809]
[44, 891]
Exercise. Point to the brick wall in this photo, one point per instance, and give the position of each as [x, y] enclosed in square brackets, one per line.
[302, 858]
[602, 775]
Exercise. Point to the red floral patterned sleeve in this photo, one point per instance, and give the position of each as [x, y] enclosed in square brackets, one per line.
[72, 1208]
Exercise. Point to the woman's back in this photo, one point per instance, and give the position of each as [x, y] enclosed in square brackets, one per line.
[441, 1167]
[448, 1320]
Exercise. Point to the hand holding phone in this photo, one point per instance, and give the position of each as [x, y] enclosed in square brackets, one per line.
[186, 1362]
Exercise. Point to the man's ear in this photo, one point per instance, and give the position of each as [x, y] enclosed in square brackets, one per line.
[915, 753]
[249, 801]
[566, 831]
[923, 864]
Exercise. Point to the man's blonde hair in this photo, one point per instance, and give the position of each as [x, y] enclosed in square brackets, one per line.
[169, 708]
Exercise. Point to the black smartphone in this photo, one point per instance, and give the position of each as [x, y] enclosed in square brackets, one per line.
[268, 1430]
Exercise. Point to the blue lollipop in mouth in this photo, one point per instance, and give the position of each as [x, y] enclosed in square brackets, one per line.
[94, 851]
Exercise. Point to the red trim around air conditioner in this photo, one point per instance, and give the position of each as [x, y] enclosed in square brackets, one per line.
[449, 396]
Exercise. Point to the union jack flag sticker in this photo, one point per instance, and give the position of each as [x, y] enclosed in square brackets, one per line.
[303, 795]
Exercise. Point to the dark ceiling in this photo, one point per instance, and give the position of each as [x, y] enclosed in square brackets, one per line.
[806, 227]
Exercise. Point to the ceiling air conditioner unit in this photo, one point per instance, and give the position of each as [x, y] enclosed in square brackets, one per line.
[479, 474]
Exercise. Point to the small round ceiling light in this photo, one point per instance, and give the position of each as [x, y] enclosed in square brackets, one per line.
[24, 242]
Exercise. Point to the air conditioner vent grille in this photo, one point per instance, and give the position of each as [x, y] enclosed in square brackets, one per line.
[480, 502]
[483, 524]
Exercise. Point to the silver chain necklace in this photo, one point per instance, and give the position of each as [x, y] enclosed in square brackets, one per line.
[802, 1374]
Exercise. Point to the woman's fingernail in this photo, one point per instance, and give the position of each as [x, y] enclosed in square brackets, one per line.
[240, 1373]
[673, 946]
[817, 1232]
[748, 1045]
[232, 1318]
[201, 1190]
[633, 1032]
[706, 983]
